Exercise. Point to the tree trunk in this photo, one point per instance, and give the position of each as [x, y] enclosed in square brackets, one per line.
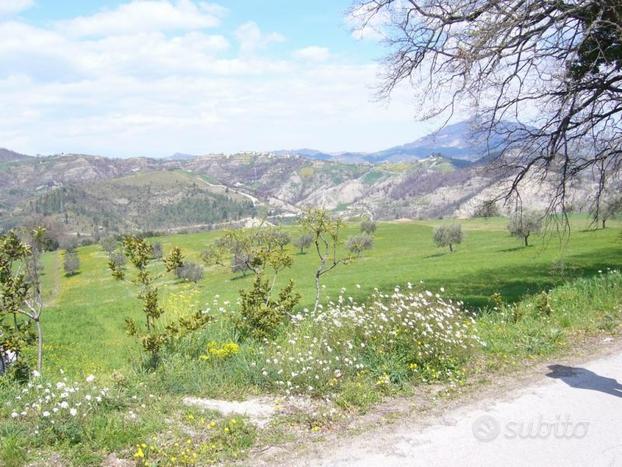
[451, 248]
[526, 240]
[604, 222]
[317, 290]
[39, 345]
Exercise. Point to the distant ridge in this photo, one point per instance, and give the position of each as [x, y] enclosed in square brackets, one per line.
[7, 155]
[459, 141]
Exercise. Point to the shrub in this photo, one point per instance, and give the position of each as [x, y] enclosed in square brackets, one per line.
[116, 264]
[448, 235]
[356, 244]
[260, 315]
[220, 351]
[191, 272]
[368, 226]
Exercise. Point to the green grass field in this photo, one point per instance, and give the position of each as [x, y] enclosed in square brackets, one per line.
[84, 325]
[143, 417]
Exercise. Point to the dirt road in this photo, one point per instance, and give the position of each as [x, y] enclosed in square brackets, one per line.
[572, 416]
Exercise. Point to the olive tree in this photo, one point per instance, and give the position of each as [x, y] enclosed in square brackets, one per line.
[523, 224]
[368, 226]
[302, 242]
[357, 244]
[71, 262]
[190, 272]
[607, 209]
[486, 209]
[108, 244]
[448, 235]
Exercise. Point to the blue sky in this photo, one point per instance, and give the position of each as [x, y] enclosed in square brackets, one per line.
[319, 22]
[153, 77]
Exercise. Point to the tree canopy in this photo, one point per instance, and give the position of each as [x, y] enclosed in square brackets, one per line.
[551, 68]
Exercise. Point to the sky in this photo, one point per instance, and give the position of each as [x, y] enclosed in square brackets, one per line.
[156, 77]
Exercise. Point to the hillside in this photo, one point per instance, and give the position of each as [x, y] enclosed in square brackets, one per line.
[89, 196]
[11, 156]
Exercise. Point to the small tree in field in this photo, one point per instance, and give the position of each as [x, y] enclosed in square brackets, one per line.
[21, 304]
[524, 224]
[108, 244]
[486, 209]
[325, 230]
[71, 262]
[262, 251]
[448, 235]
[606, 210]
[156, 250]
[368, 226]
[174, 260]
[116, 264]
[302, 242]
[153, 335]
[190, 272]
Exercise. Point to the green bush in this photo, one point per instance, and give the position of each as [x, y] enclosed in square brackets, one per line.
[260, 315]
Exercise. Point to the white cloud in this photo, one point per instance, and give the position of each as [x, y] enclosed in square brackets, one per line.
[313, 53]
[158, 90]
[12, 7]
[145, 16]
[251, 38]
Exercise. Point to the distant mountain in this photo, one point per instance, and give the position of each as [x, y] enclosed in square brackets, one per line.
[10, 156]
[459, 141]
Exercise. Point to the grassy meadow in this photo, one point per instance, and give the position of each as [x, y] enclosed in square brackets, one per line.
[84, 324]
[522, 304]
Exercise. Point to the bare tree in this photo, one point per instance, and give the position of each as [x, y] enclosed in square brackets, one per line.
[552, 68]
[326, 231]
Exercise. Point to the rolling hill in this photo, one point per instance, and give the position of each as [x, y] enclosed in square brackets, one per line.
[89, 196]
